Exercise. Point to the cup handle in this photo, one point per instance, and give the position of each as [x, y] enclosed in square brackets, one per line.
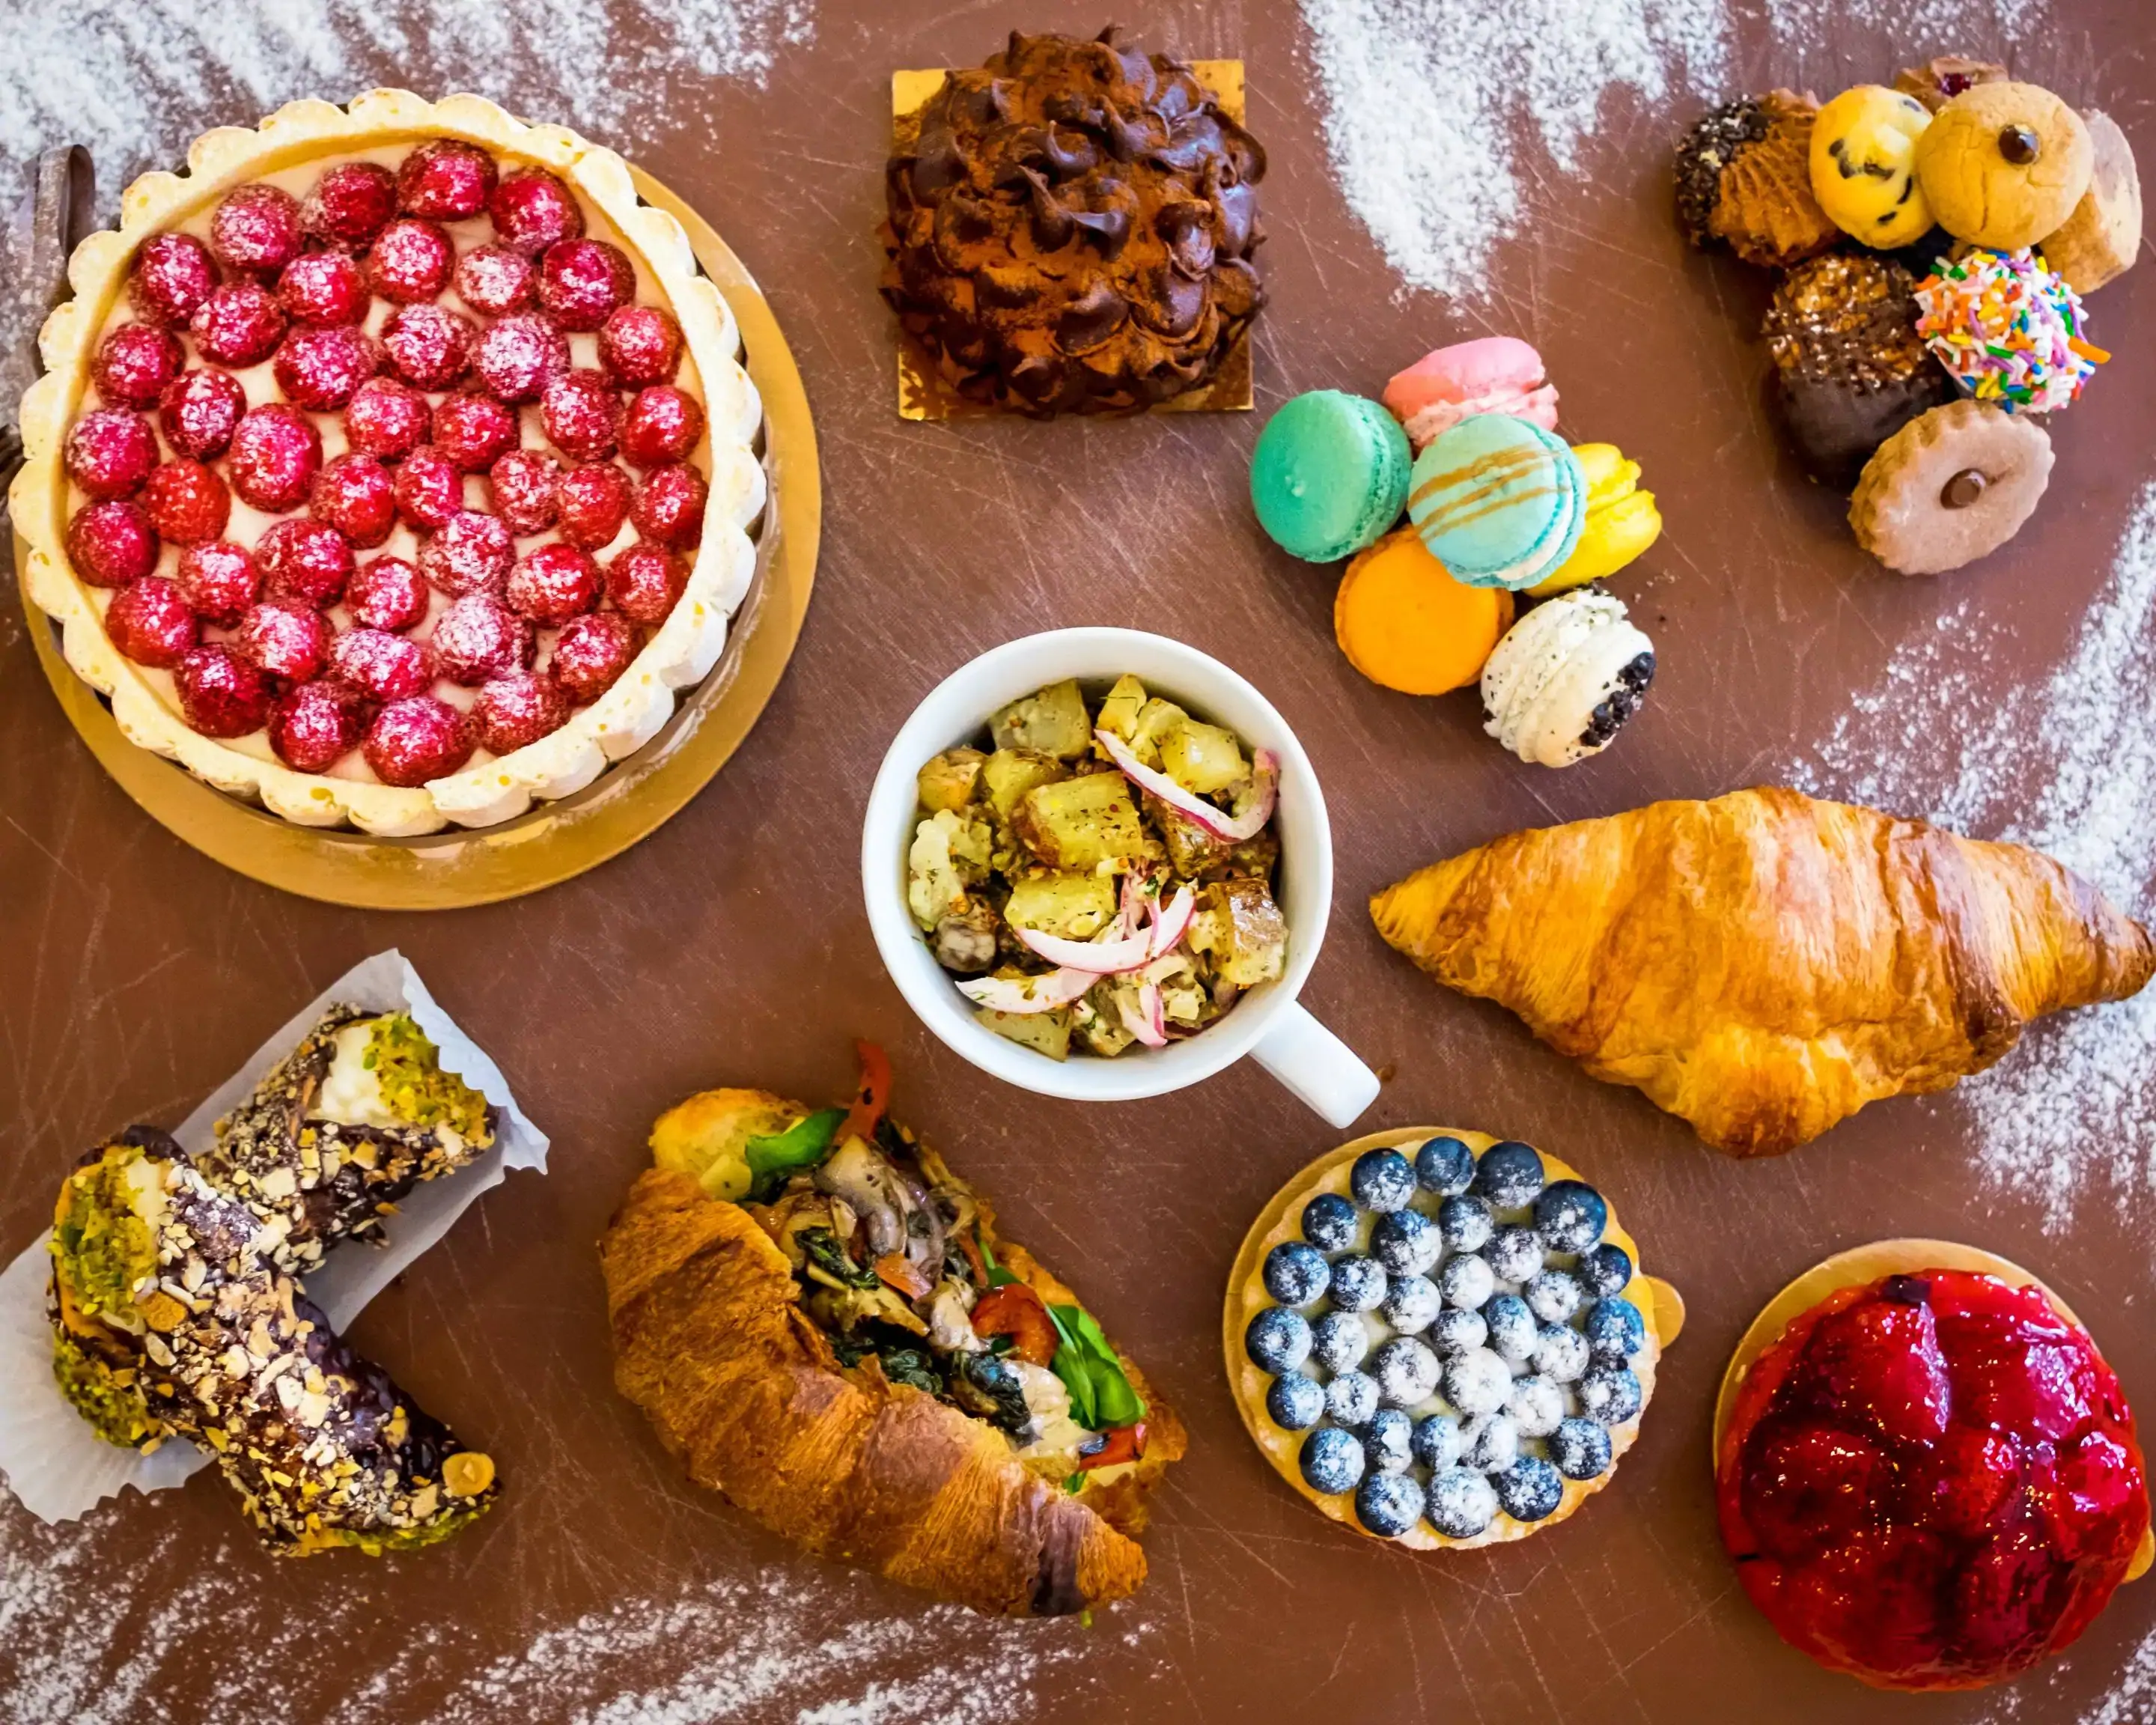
[1318, 1066]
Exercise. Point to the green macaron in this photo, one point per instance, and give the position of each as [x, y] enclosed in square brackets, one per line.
[1330, 475]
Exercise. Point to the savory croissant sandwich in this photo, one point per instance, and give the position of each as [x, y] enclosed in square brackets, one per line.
[819, 1319]
[1764, 964]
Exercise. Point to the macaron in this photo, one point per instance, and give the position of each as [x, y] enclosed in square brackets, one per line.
[1622, 520]
[1329, 474]
[1493, 374]
[1565, 678]
[1498, 500]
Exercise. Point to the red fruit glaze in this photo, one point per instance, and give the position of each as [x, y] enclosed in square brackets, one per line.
[112, 543]
[445, 180]
[644, 582]
[594, 501]
[412, 741]
[555, 582]
[276, 453]
[381, 665]
[583, 281]
[591, 652]
[1931, 1482]
[240, 324]
[386, 419]
[257, 229]
[303, 562]
[662, 425]
[525, 487]
[221, 695]
[109, 452]
[519, 354]
[173, 274]
[187, 502]
[470, 554]
[669, 506]
[429, 348]
[640, 345]
[355, 495]
[473, 430]
[317, 725]
[533, 210]
[581, 414]
[322, 369]
[350, 204]
[287, 642]
[134, 364]
[478, 638]
[430, 489]
[200, 410]
[493, 280]
[386, 594]
[218, 580]
[150, 623]
[410, 261]
[323, 289]
[518, 709]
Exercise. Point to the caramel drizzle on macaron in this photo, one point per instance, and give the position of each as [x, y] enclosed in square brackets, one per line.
[1483, 480]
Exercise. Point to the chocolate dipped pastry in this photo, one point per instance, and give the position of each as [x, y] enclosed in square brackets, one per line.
[1743, 180]
[1072, 231]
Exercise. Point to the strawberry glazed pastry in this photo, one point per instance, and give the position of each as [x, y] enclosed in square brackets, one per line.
[393, 466]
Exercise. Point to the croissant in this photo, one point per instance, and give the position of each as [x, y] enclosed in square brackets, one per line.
[1764, 964]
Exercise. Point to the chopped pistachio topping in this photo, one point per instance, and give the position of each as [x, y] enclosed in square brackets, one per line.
[110, 1399]
[102, 1247]
[413, 1085]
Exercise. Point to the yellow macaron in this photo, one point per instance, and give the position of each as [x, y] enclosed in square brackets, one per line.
[1622, 520]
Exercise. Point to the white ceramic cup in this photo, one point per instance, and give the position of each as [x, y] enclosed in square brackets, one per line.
[1266, 1023]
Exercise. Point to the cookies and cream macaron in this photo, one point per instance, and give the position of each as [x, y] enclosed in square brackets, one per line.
[1566, 677]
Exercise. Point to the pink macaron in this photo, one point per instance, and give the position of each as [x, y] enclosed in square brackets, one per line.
[1494, 374]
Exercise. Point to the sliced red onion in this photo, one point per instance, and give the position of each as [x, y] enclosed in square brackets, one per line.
[1095, 957]
[1233, 828]
[1028, 994]
[1171, 925]
[1146, 1021]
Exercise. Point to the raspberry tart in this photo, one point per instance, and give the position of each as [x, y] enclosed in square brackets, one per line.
[1926, 1474]
[362, 373]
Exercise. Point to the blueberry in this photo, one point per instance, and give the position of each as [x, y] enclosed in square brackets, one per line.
[1514, 1253]
[1333, 1460]
[1491, 1442]
[1581, 1450]
[1389, 1504]
[1295, 1402]
[1529, 1489]
[1329, 1222]
[1465, 1223]
[1406, 1242]
[1411, 1304]
[1537, 1405]
[1389, 1440]
[1478, 1382]
[1615, 1330]
[1444, 1166]
[1560, 1352]
[1610, 1394]
[1456, 1330]
[1352, 1398]
[1509, 1175]
[1296, 1274]
[1460, 1503]
[1435, 1441]
[1552, 1295]
[1570, 1216]
[1339, 1340]
[1465, 1282]
[1358, 1283]
[1406, 1370]
[1381, 1180]
[1278, 1340]
[1513, 1331]
[1606, 1269]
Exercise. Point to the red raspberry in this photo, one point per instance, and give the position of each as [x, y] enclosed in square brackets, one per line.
[112, 543]
[386, 419]
[644, 580]
[411, 741]
[473, 430]
[173, 276]
[386, 593]
[554, 583]
[355, 495]
[323, 289]
[350, 204]
[584, 281]
[381, 665]
[525, 486]
[410, 261]
[150, 623]
[218, 580]
[287, 642]
[470, 554]
[200, 410]
[581, 414]
[640, 345]
[477, 638]
[256, 228]
[240, 324]
[662, 425]
[533, 210]
[595, 499]
[669, 506]
[518, 709]
[430, 489]
[110, 451]
[429, 348]
[322, 369]
[134, 364]
[519, 354]
[494, 281]
[188, 503]
[221, 694]
[317, 725]
[591, 652]
[276, 453]
[445, 180]
[303, 562]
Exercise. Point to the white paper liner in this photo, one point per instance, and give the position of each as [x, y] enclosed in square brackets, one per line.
[49, 1457]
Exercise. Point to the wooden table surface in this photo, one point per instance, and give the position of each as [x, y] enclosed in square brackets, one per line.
[732, 947]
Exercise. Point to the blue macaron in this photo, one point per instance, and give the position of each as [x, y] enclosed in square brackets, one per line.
[1329, 474]
[1498, 500]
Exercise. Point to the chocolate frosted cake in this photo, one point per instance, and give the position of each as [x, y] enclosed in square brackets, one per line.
[1072, 231]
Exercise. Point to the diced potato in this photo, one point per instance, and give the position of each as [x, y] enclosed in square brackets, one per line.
[1080, 823]
[1191, 851]
[1099, 1025]
[950, 780]
[1156, 719]
[947, 856]
[1010, 773]
[1201, 758]
[1242, 928]
[1119, 712]
[1053, 722]
[1047, 1033]
[1076, 906]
